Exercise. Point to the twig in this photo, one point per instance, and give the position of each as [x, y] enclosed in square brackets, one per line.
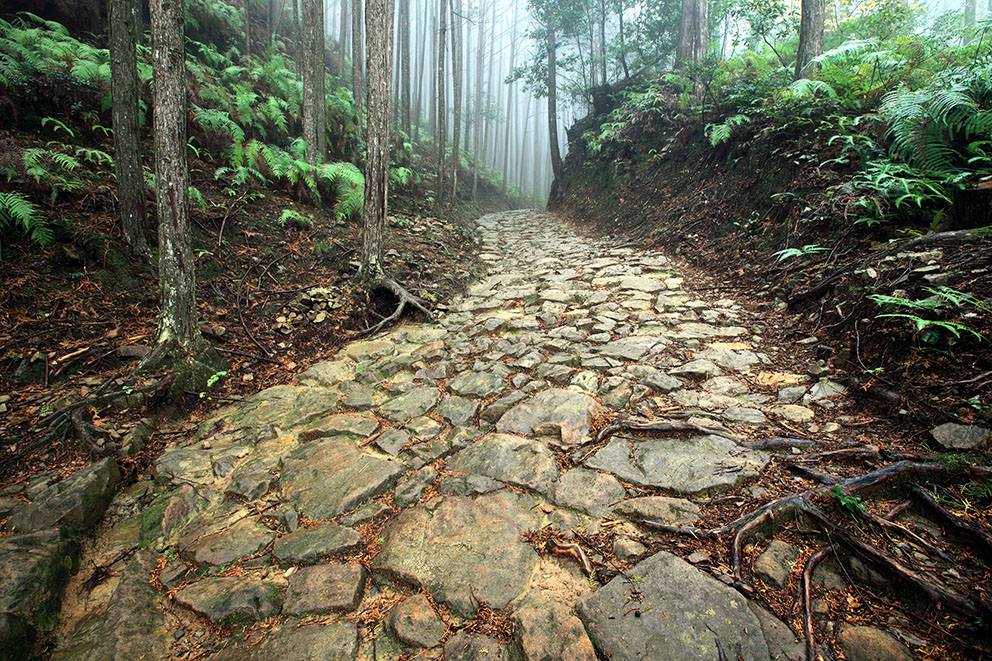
[248, 355]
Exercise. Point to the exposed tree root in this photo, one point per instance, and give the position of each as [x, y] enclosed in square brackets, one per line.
[663, 426]
[807, 584]
[959, 525]
[405, 298]
[900, 475]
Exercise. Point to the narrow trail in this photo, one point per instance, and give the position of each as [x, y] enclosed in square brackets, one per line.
[440, 486]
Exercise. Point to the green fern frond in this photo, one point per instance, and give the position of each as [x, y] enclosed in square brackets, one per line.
[807, 87]
[17, 212]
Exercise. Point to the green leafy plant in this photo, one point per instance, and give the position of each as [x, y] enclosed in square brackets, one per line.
[852, 504]
[17, 213]
[720, 133]
[789, 253]
[293, 217]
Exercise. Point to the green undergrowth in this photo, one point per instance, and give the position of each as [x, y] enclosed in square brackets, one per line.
[812, 186]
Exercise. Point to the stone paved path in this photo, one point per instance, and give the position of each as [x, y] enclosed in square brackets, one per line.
[403, 476]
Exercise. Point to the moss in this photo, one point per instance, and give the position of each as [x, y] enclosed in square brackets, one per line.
[151, 522]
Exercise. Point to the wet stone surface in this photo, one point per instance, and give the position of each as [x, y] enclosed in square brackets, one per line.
[428, 454]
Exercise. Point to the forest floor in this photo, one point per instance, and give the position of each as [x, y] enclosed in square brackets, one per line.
[274, 298]
[594, 451]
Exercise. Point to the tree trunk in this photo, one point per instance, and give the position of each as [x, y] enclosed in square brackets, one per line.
[456, 101]
[970, 11]
[378, 20]
[421, 68]
[319, 81]
[344, 27]
[357, 86]
[553, 105]
[247, 28]
[124, 22]
[311, 125]
[440, 106]
[810, 36]
[480, 58]
[623, 42]
[177, 329]
[602, 40]
[404, 21]
[509, 103]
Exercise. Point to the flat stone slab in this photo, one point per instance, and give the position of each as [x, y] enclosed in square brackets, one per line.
[76, 502]
[308, 545]
[231, 599]
[953, 436]
[670, 511]
[549, 630]
[460, 552]
[683, 612]
[700, 463]
[244, 538]
[415, 623]
[561, 413]
[324, 588]
[134, 626]
[334, 641]
[588, 491]
[410, 404]
[512, 459]
[329, 477]
[479, 385]
[457, 410]
[34, 567]
[630, 348]
[341, 425]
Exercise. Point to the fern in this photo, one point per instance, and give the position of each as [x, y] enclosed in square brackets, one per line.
[349, 188]
[807, 87]
[19, 213]
[218, 122]
[293, 217]
[720, 133]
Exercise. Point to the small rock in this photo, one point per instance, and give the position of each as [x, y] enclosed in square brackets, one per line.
[415, 623]
[870, 644]
[465, 646]
[324, 588]
[775, 562]
[308, 545]
[697, 557]
[953, 436]
[627, 549]
[229, 599]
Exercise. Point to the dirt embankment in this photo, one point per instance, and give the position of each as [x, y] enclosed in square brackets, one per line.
[732, 209]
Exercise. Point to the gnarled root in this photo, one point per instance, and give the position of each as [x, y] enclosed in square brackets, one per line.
[405, 298]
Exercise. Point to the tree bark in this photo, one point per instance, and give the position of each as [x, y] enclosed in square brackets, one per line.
[456, 100]
[693, 32]
[319, 80]
[178, 331]
[311, 125]
[357, 73]
[509, 103]
[440, 106]
[378, 21]
[810, 36]
[404, 24]
[553, 105]
[480, 56]
[124, 22]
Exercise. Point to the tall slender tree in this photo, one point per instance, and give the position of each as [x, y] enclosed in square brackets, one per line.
[456, 96]
[810, 36]
[440, 106]
[378, 24]
[124, 21]
[404, 58]
[178, 332]
[313, 84]
[357, 70]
